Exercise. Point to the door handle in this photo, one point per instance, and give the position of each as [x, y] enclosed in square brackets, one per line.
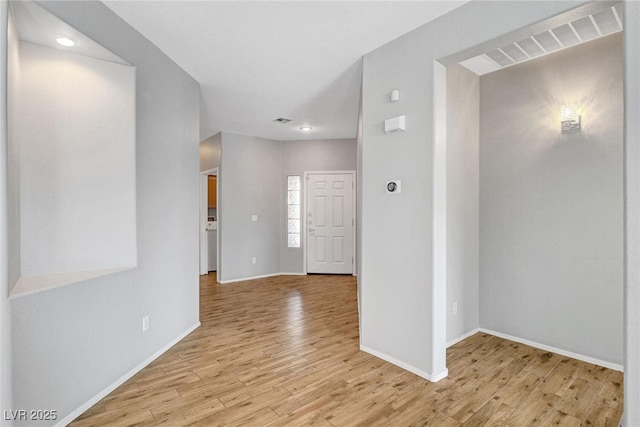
[311, 230]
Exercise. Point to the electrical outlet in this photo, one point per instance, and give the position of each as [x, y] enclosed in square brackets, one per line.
[145, 323]
[254, 218]
[455, 308]
[253, 260]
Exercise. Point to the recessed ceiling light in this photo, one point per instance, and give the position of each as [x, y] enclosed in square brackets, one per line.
[306, 128]
[65, 41]
[282, 120]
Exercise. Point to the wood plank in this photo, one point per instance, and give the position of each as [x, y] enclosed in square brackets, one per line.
[578, 398]
[533, 410]
[607, 406]
[558, 418]
[492, 413]
[560, 378]
[284, 351]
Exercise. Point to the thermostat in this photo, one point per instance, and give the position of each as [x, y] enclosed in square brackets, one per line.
[394, 186]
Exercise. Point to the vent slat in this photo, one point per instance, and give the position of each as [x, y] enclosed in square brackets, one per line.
[499, 57]
[606, 21]
[565, 35]
[515, 53]
[530, 47]
[547, 41]
[585, 29]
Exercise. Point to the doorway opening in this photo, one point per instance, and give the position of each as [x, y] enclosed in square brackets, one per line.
[209, 222]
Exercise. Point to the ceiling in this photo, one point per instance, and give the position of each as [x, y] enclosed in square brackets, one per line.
[263, 60]
[37, 26]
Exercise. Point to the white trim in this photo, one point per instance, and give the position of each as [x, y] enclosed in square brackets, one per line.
[303, 222]
[292, 274]
[560, 351]
[243, 279]
[117, 383]
[419, 372]
[439, 226]
[463, 337]
[437, 377]
[203, 250]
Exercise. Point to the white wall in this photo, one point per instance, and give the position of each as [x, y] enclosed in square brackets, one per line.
[463, 102]
[76, 126]
[70, 343]
[250, 185]
[397, 288]
[301, 156]
[551, 232]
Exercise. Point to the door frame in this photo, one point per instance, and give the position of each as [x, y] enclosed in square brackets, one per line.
[203, 215]
[303, 222]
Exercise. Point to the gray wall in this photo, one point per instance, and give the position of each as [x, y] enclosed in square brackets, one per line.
[211, 152]
[301, 156]
[8, 276]
[631, 37]
[400, 317]
[72, 342]
[463, 102]
[251, 171]
[13, 169]
[253, 180]
[551, 204]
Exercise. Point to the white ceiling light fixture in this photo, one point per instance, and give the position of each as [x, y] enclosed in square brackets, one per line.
[65, 41]
[306, 128]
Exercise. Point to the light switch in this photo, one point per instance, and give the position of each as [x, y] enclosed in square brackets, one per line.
[254, 218]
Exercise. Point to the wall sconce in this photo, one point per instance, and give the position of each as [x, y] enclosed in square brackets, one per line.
[570, 119]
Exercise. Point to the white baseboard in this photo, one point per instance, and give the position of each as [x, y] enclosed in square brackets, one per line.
[262, 277]
[419, 372]
[560, 351]
[462, 337]
[95, 399]
[243, 279]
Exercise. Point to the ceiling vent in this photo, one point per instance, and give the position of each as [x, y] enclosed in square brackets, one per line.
[581, 30]
[282, 120]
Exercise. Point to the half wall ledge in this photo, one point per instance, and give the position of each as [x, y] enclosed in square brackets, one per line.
[33, 284]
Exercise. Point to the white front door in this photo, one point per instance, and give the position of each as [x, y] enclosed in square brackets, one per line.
[330, 223]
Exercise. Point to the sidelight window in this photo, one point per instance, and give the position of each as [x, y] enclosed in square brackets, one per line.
[293, 211]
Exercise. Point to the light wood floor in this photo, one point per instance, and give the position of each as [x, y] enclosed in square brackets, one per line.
[284, 351]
